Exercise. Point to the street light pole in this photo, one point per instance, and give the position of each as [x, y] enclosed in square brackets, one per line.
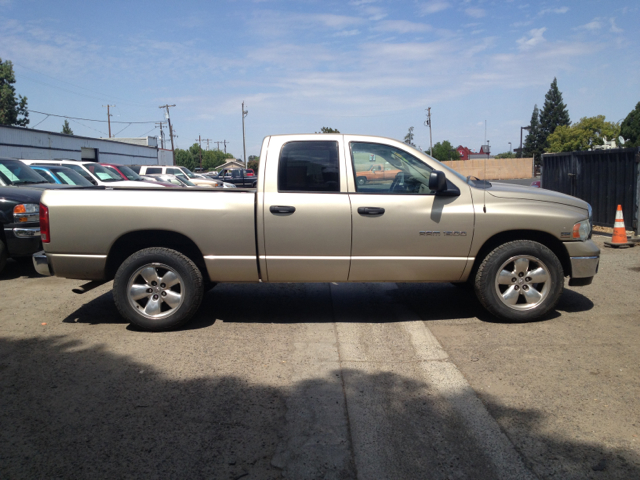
[521, 129]
[509, 146]
[244, 147]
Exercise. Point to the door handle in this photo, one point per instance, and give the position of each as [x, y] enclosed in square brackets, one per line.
[370, 211]
[281, 209]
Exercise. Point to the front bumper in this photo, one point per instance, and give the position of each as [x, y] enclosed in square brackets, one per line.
[585, 259]
[41, 263]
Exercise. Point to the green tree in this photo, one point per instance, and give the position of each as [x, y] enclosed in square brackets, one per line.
[554, 112]
[408, 138]
[329, 130]
[535, 142]
[254, 163]
[630, 128]
[11, 107]
[184, 158]
[589, 131]
[444, 152]
[506, 155]
[212, 159]
[66, 128]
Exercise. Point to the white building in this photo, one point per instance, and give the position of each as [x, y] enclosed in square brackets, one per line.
[20, 142]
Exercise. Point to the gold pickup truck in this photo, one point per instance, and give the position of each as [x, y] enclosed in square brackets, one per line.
[308, 220]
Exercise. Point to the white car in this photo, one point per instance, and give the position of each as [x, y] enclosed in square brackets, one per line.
[95, 173]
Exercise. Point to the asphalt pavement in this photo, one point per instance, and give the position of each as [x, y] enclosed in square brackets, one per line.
[306, 381]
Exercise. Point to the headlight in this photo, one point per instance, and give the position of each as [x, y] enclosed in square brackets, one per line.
[26, 212]
[581, 230]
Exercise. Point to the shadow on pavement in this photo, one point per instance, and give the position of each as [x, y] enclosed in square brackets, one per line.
[22, 267]
[312, 303]
[72, 410]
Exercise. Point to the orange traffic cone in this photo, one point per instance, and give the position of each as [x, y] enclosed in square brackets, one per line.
[619, 238]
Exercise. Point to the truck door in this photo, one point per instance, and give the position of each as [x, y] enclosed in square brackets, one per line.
[306, 214]
[401, 230]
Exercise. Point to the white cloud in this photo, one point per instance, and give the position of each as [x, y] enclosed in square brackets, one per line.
[594, 25]
[614, 27]
[475, 12]
[403, 26]
[559, 10]
[347, 33]
[535, 38]
[434, 6]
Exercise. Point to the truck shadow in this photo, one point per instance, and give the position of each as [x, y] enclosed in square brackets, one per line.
[322, 303]
[70, 405]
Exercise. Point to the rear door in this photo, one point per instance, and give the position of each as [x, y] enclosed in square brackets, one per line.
[306, 214]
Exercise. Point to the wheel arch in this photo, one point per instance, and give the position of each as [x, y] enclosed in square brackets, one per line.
[546, 239]
[131, 242]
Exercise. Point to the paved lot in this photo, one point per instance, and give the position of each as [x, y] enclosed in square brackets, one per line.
[321, 381]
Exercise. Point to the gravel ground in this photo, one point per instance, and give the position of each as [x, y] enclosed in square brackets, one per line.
[321, 381]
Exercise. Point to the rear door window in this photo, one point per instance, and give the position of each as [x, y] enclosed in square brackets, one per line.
[153, 170]
[309, 167]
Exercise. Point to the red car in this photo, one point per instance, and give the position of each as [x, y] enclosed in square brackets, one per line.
[249, 172]
[536, 183]
[127, 174]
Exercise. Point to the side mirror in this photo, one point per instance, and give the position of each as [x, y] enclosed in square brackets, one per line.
[437, 181]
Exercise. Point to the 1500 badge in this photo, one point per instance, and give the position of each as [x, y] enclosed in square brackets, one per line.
[443, 234]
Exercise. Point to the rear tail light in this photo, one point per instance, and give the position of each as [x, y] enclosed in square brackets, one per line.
[45, 235]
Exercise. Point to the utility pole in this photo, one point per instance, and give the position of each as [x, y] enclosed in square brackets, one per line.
[109, 117]
[244, 147]
[527, 128]
[225, 146]
[428, 124]
[207, 140]
[173, 151]
[159, 124]
[200, 150]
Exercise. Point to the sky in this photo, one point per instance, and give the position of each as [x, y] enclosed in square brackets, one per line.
[363, 66]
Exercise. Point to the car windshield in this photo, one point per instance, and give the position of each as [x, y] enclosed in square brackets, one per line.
[14, 172]
[102, 173]
[188, 172]
[130, 174]
[69, 177]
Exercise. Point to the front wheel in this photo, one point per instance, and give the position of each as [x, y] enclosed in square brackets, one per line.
[158, 289]
[519, 281]
[361, 180]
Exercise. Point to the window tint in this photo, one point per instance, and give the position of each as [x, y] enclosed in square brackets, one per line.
[385, 169]
[81, 171]
[153, 170]
[309, 167]
[135, 168]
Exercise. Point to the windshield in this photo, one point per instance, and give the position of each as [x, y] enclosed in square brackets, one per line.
[185, 180]
[102, 173]
[188, 172]
[69, 177]
[14, 172]
[130, 174]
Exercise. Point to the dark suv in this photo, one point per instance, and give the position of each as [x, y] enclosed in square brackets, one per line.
[238, 176]
[20, 191]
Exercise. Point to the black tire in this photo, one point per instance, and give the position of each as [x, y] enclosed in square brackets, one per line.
[161, 306]
[506, 281]
[3, 255]
[361, 180]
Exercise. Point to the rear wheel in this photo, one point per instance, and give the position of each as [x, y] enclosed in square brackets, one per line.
[519, 281]
[158, 289]
[361, 180]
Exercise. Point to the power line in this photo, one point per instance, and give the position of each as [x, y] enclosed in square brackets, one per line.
[85, 119]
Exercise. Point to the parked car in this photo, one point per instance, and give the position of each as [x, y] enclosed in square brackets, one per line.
[20, 191]
[249, 172]
[61, 175]
[94, 173]
[238, 176]
[126, 173]
[175, 170]
[377, 173]
[536, 183]
[309, 221]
